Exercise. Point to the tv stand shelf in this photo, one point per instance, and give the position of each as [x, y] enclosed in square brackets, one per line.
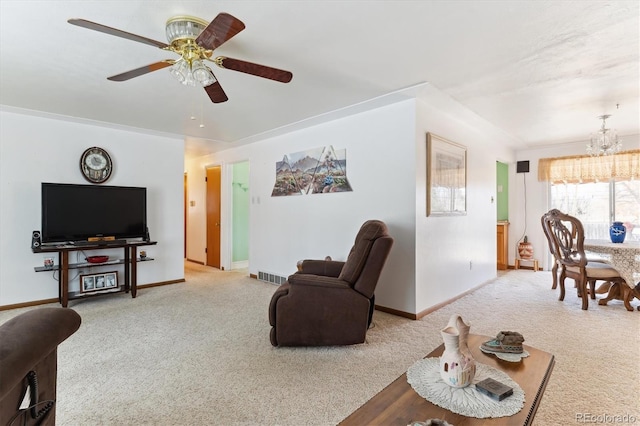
[130, 261]
[87, 264]
[80, 295]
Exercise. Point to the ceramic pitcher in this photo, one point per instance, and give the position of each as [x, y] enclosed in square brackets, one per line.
[457, 366]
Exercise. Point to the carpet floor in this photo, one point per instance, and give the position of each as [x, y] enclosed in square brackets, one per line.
[198, 353]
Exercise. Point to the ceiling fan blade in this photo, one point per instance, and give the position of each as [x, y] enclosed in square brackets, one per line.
[221, 29]
[141, 71]
[119, 33]
[254, 69]
[215, 92]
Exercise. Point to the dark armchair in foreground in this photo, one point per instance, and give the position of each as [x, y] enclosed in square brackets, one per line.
[29, 364]
[330, 302]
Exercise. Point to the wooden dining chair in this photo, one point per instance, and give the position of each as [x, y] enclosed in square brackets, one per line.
[553, 249]
[566, 238]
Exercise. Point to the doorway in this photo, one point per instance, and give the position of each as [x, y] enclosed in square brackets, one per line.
[214, 208]
[239, 215]
[502, 211]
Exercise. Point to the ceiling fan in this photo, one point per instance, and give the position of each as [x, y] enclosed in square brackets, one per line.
[194, 40]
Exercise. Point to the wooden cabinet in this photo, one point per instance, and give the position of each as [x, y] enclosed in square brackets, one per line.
[502, 235]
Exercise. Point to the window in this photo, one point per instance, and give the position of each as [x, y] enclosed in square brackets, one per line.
[598, 204]
[596, 190]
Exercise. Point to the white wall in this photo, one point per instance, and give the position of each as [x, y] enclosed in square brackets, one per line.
[380, 151]
[537, 198]
[456, 253]
[35, 149]
[386, 166]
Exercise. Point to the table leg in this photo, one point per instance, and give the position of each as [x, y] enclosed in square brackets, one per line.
[517, 264]
[628, 295]
[613, 292]
[604, 287]
[620, 291]
[134, 272]
[127, 275]
[64, 279]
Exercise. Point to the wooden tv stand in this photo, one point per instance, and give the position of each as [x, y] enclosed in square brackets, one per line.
[130, 265]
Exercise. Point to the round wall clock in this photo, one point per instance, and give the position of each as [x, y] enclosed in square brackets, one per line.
[96, 165]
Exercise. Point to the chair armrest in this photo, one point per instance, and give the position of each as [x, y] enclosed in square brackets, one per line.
[299, 286]
[27, 339]
[317, 281]
[327, 268]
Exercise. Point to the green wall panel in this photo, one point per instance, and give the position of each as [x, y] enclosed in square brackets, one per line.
[240, 218]
[502, 189]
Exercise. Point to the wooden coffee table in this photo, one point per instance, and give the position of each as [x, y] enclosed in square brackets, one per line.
[399, 404]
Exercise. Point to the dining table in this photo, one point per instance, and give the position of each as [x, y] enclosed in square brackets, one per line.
[625, 258]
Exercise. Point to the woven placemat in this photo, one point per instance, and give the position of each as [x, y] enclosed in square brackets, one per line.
[424, 378]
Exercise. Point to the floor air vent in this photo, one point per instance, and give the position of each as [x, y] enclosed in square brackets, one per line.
[271, 278]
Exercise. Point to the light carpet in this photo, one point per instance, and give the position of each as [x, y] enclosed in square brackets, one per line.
[198, 353]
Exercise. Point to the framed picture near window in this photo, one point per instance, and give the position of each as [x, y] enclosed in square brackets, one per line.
[446, 177]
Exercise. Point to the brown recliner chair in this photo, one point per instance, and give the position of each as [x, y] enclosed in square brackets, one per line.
[330, 302]
[29, 364]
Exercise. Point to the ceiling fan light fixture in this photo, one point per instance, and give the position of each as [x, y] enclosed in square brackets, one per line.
[194, 73]
[604, 141]
[180, 70]
[202, 74]
[184, 27]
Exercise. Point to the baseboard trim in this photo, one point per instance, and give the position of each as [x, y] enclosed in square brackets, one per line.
[242, 264]
[396, 312]
[47, 301]
[195, 261]
[161, 283]
[28, 304]
[432, 308]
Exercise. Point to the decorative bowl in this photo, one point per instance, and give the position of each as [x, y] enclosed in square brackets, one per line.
[97, 259]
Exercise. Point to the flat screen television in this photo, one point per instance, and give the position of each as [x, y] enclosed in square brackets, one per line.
[80, 212]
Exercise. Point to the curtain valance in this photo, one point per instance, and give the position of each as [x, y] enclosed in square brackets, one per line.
[585, 169]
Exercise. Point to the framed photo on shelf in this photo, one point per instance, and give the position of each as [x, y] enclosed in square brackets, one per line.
[87, 283]
[446, 177]
[98, 282]
[111, 279]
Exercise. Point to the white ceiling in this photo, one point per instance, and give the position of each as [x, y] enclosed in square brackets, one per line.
[541, 71]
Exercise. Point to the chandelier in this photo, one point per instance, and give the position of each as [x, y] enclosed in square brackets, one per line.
[604, 141]
[190, 69]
